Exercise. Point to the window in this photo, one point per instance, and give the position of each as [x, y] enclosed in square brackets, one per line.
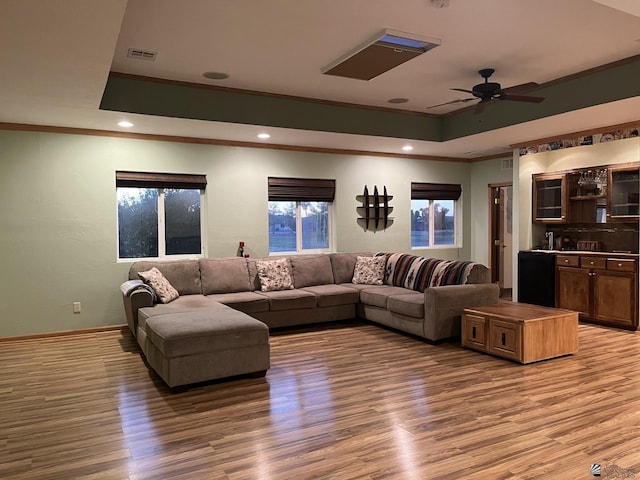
[300, 214]
[159, 215]
[434, 214]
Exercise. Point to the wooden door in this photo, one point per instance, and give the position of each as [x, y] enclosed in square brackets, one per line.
[573, 289]
[615, 297]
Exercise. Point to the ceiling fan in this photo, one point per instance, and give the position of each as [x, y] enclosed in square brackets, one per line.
[492, 91]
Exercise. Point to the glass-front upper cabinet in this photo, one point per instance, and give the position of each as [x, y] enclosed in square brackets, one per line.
[549, 198]
[624, 186]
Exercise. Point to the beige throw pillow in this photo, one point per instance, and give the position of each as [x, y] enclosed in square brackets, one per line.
[161, 286]
[274, 274]
[369, 270]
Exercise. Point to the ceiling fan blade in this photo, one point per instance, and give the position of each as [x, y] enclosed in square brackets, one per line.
[462, 90]
[480, 106]
[522, 88]
[521, 98]
[452, 102]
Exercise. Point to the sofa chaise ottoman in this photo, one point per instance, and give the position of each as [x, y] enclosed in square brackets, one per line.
[194, 339]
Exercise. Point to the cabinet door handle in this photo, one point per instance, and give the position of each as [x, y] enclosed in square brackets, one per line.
[619, 264]
[591, 263]
[504, 339]
[473, 332]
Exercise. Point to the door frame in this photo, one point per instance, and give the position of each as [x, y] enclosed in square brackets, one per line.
[495, 225]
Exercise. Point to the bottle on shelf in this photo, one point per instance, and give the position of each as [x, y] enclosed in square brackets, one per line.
[241, 249]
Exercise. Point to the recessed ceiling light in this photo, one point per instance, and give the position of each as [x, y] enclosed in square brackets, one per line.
[407, 148]
[264, 136]
[125, 124]
[398, 100]
[215, 75]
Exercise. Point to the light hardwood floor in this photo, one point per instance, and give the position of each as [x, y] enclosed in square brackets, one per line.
[343, 401]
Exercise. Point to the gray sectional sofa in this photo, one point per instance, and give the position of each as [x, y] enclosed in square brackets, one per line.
[218, 326]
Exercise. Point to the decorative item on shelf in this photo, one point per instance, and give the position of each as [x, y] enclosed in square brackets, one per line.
[375, 209]
[241, 250]
[592, 182]
[588, 245]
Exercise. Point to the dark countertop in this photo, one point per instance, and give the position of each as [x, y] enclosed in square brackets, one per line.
[588, 252]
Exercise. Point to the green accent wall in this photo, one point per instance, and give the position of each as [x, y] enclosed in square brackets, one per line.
[613, 84]
[151, 97]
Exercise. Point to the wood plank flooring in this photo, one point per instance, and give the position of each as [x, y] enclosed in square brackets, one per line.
[344, 401]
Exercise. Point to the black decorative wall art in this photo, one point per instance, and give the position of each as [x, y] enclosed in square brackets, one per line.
[375, 209]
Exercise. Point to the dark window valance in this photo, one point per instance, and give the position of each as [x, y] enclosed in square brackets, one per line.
[160, 180]
[301, 189]
[435, 191]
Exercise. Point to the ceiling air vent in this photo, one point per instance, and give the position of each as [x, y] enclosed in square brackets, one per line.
[142, 54]
[385, 51]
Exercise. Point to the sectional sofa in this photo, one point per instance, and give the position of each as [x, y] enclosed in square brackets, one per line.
[218, 325]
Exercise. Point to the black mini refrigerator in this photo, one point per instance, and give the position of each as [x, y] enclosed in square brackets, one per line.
[537, 278]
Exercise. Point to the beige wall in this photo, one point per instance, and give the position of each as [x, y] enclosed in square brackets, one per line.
[58, 240]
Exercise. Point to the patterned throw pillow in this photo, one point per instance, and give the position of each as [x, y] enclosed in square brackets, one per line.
[369, 270]
[161, 286]
[274, 274]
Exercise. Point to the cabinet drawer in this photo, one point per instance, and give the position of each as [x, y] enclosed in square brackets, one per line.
[568, 260]
[473, 334]
[593, 262]
[621, 264]
[504, 339]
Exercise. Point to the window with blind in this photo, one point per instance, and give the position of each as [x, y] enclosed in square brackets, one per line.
[300, 211]
[434, 215]
[159, 215]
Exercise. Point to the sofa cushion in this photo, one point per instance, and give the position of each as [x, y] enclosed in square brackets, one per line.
[358, 286]
[185, 303]
[332, 295]
[183, 275]
[191, 333]
[247, 302]
[309, 270]
[378, 295]
[369, 270]
[160, 285]
[410, 304]
[343, 265]
[224, 275]
[289, 299]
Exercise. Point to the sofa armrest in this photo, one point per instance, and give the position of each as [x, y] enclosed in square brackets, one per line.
[443, 307]
[132, 302]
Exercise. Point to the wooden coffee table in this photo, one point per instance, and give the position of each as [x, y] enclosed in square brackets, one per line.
[519, 331]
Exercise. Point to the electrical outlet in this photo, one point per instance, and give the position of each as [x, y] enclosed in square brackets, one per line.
[77, 307]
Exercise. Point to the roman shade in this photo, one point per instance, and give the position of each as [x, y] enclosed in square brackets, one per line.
[301, 190]
[160, 180]
[435, 191]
